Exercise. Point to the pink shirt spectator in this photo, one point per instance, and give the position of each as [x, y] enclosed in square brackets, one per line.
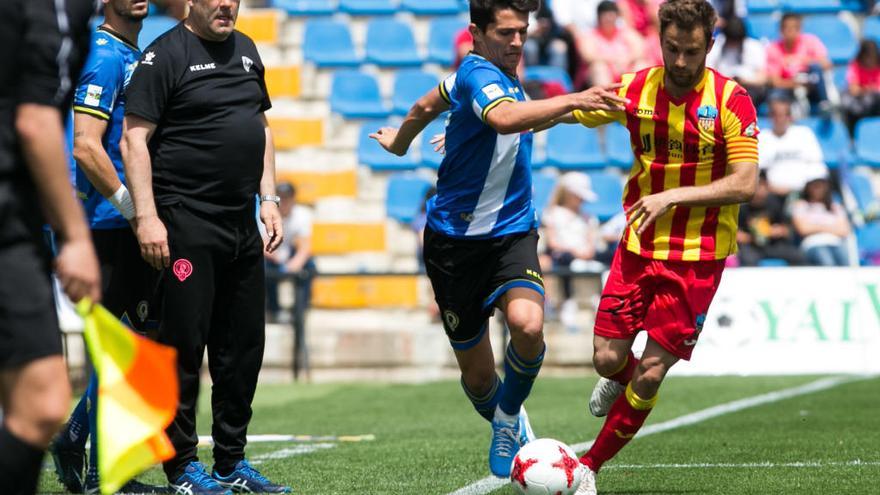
[640, 14]
[464, 43]
[808, 49]
[864, 77]
[618, 53]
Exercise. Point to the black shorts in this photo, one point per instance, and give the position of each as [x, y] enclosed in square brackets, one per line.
[129, 285]
[469, 275]
[28, 321]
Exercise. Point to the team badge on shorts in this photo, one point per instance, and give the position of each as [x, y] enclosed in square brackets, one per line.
[698, 327]
[706, 115]
[182, 269]
[451, 319]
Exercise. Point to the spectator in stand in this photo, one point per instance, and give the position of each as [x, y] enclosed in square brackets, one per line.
[789, 154]
[742, 58]
[728, 9]
[796, 63]
[575, 17]
[571, 235]
[822, 224]
[862, 98]
[611, 48]
[765, 230]
[641, 15]
[546, 44]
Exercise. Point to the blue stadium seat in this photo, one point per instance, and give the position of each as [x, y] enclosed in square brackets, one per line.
[762, 6]
[355, 95]
[371, 153]
[405, 195]
[839, 77]
[431, 7]
[367, 7]
[542, 189]
[574, 147]
[812, 6]
[867, 137]
[409, 86]
[153, 27]
[868, 238]
[763, 26]
[833, 138]
[863, 191]
[328, 43]
[544, 73]
[618, 147]
[431, 158]
[836, 34]
[305, 7]
[772, 262]
[609, 188]
[441, 38]
[871, 28]
[390, 43]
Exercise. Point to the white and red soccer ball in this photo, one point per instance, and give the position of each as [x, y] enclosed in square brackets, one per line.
[546, 467]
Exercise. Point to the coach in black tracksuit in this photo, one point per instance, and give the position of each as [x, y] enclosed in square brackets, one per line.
[197, 153]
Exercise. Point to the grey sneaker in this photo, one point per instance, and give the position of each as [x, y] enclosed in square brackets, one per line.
[604, 394]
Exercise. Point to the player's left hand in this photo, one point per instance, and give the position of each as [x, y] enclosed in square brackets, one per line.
[648, 209]
[271, 218]
[439, 142]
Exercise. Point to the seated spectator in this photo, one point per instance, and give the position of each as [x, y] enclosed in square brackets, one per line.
[546, 44]
[641, 15]
[742, 58]
[789, 154]
[822, 224]
[765, 230]
[571, 235]
[612, 48]
[796, 63]
[574, 17]
[862, 97]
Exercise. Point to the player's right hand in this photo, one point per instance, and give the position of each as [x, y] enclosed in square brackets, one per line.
[153, 239]
[77, 269]
[386, 136]
[601, 98]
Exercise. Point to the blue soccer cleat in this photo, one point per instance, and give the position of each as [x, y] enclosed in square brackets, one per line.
[195, 480]
[505, 444]
[69, 463]
[246, 479]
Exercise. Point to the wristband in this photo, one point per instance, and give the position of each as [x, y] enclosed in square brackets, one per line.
[121, 200]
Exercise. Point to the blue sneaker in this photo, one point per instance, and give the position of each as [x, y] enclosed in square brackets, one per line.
[505, 443]
[69, 463]
[195, 480]
[526, 434]
[246, 479]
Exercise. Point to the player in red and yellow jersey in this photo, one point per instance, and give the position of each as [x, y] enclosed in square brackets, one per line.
[694, 135]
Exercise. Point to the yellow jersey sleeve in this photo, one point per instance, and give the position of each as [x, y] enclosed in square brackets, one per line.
[740, 127]
[595, 118]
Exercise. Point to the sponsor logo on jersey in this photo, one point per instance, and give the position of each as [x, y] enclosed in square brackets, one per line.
[93, 95]
[148, 58]
[493, 91]
[751, 130]
[200, 67]
[101, 41]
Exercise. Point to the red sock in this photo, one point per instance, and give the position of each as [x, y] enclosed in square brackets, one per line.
[625, 374]
[626, 416]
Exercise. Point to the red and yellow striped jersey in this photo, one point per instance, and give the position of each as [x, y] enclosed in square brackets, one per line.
[677, 142]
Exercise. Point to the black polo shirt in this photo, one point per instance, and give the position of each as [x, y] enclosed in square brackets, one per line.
[206, 99]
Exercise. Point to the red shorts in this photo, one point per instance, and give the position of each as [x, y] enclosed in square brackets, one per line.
[669, 299]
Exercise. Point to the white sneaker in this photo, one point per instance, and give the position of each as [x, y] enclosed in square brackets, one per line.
[588, 483]
[604, 394]
[526, 434]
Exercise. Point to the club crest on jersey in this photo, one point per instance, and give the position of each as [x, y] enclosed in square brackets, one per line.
[751, 130]
[706, 116]
[247, 63]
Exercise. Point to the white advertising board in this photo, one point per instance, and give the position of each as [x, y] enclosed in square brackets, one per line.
[791, 321]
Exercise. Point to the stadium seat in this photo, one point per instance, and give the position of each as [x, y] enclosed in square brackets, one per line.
[328, 43]
[153, 27]
[542, 189]
[405, 195]
[431, 7]
[312, 185]
[609, 188]
[547, 73]
[390, 43]
[261, 25]
[367, 7]
[440, 39]
[283, 82]
[868, 238]
[371, 153]
[305, 7]
[342, 238]
[762, 6]
[833, 138]
[365, 291]
[290, 133]
[574, 147]
[839, 77]
[763, 26]
[772, 262]
[871, 28]
[409, 86]
[812, 6]
[618, 147]
[355, 95]
[836, 34]
[431, 158]
[863, 191]
[867, 137]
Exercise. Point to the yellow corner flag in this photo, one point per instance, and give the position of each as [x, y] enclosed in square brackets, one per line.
[137, 396]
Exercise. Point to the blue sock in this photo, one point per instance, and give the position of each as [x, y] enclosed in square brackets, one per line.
[485, 404]
[76, 431]
[92, 394]
[519, 375]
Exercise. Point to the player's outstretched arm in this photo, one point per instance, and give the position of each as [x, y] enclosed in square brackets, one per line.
[736, 187]
[425, 110]
[514, 117]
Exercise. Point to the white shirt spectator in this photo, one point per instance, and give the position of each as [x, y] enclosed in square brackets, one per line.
[578, 13]
[297, 225]
[748, 65]
[572, 230]
[817, 214]
[792, 159]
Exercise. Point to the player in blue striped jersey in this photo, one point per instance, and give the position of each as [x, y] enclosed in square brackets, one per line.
[480, 246]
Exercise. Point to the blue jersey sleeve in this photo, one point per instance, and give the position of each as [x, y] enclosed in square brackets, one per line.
[100, 83]
[484, 88]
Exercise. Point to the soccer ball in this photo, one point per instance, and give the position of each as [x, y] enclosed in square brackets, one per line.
[546, 467]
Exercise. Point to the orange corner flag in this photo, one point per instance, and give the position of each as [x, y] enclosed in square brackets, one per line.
[137, 396]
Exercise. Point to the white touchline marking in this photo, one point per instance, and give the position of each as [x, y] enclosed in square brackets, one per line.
[747, 465]
[207, 440]
[291, 451]
[491, 483]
